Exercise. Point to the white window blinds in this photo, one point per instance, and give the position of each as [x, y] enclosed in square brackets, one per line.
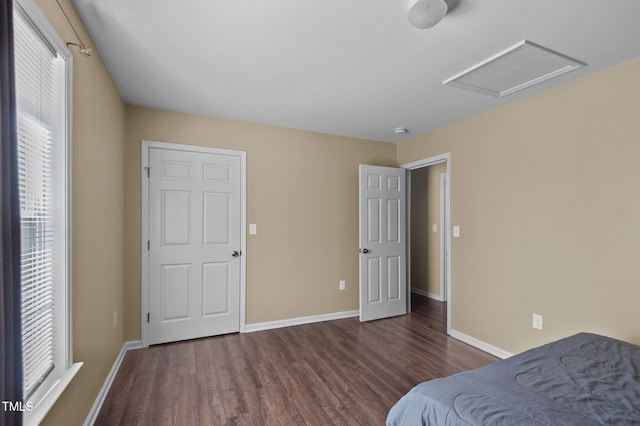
[37, 68]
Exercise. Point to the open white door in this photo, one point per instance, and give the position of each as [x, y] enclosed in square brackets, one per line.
[383, 259]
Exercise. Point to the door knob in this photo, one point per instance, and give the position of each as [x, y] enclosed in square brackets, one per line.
[365, 251]
[235, 254]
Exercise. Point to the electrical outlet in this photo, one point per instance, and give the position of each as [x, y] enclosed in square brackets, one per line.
[343, 285]
[115, 319]
[537, 322]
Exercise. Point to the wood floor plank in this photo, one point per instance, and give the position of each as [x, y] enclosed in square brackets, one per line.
[186, 407]
[139, 404]
[210, 409]
[339, 372]
[186, 359]
[163, 394]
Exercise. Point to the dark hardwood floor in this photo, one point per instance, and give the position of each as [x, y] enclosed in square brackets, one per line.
[334, 373]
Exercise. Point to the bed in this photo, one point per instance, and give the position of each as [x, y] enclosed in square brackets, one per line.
[585, 379]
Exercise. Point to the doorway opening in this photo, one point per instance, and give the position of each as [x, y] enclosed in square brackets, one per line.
[428, 229]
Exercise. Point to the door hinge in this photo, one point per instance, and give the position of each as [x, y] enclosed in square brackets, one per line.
[148, 316]
[148, 244]
[148, 169]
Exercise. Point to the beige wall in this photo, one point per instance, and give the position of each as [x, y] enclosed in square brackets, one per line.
[546, 193]
[98, 224]
[302, 191]
[425, 244]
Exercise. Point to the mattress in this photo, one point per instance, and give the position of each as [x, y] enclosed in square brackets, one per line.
[585, 379]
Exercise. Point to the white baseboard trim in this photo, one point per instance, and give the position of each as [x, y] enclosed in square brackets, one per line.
[97, 405]
[270, 325]
[483, 346]
[427, 294]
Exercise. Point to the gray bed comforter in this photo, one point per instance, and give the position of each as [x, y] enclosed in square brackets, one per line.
[585, 379]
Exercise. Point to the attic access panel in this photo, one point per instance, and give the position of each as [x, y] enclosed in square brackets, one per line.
[516, 68]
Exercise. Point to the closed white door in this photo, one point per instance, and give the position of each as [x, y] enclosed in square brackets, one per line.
[194, 245]
[383, 260]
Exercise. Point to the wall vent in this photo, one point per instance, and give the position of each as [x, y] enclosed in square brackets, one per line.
[516, 68]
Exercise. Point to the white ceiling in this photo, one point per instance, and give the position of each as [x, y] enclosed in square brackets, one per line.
[346, 67]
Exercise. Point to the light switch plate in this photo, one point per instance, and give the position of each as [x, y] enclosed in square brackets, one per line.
[434, 228]
[537, 321]
[253, 229]
[456, 232]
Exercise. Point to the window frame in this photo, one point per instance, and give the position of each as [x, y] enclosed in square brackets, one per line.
[48, 392]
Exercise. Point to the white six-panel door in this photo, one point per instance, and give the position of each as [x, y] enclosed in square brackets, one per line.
[383, 260]
[194, 245]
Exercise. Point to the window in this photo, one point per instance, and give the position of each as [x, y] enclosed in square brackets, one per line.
[43, 76]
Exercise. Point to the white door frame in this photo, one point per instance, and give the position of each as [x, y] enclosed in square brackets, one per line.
[430, 161]
[444, 248]
[146, 145]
